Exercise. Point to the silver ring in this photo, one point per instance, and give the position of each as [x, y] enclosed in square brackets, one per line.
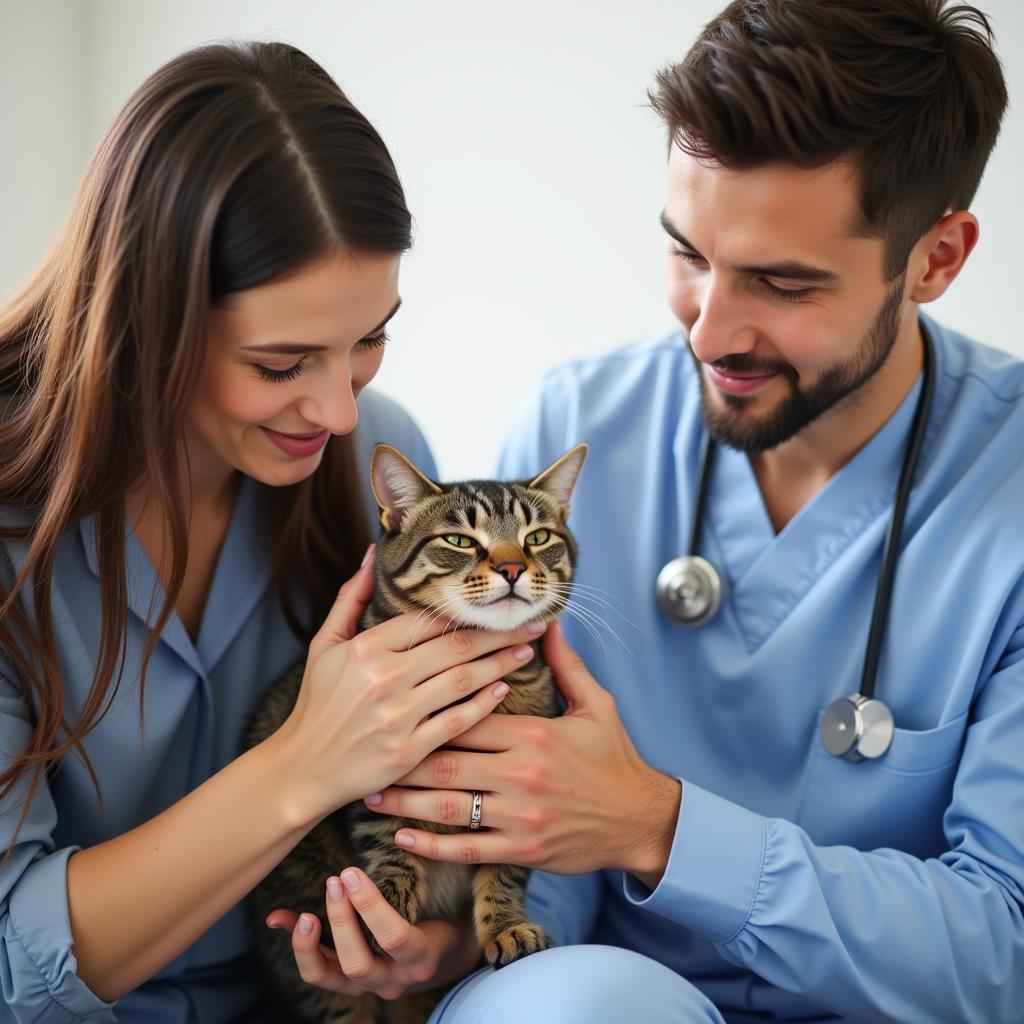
[477, 812]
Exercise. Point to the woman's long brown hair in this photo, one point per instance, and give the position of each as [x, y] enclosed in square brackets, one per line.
[230, 166]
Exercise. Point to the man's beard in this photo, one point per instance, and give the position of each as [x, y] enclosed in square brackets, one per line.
[730, 424]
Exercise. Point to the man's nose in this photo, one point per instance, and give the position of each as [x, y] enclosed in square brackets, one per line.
[721, 328]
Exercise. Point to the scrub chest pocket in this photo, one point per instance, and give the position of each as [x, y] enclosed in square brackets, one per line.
[895, 801]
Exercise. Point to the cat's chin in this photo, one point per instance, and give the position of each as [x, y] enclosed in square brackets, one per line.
[507, 613]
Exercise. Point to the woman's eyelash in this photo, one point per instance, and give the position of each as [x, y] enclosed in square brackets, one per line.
[280, 375]
[377, 341]
[786, 294]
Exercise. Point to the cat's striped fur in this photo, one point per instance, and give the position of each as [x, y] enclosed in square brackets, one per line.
[518, 567]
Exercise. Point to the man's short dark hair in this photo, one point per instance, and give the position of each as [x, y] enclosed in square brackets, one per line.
[909, 90]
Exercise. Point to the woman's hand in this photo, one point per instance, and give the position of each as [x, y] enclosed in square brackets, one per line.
[567, 794]
[373, 705]
[418, 957]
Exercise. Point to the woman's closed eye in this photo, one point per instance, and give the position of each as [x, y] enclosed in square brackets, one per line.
[279, 375]
[270, 374]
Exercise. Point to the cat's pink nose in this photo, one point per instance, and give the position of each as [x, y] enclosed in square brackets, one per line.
[510, 570]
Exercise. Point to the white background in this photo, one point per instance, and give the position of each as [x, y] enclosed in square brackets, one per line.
[533, 167]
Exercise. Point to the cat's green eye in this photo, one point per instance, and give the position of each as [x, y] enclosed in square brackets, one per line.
[537, 538]
[458, 540]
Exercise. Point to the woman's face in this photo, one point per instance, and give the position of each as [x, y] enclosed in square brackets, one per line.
[284, 363]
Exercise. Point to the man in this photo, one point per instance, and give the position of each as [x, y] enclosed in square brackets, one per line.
[823, 155]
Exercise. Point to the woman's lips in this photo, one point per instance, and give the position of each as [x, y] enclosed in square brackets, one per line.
[298, 445]
[737, 385]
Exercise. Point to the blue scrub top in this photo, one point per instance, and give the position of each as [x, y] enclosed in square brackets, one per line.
[197, 703]
[800, 885]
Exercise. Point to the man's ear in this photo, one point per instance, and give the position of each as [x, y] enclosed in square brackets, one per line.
[397, 484]
[559, 479]
[940, 255]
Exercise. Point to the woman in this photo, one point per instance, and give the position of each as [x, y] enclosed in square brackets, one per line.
[181, 495]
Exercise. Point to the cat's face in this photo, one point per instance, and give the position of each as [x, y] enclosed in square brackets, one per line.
[481, 553]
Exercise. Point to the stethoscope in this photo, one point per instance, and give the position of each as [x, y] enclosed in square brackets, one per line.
[690, 591]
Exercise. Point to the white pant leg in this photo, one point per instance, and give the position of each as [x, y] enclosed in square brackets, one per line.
[577, 985]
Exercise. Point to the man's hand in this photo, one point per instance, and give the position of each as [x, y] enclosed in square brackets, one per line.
[567, 795]
[418, 956]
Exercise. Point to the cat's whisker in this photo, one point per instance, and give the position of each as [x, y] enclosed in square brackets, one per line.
[434, 611]
[588, 626]
[574, 589]
[584, 614]
[606, 595]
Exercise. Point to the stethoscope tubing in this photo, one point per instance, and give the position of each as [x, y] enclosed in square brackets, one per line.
[860, 725]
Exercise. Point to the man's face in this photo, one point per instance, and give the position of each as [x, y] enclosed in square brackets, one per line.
[787, 312]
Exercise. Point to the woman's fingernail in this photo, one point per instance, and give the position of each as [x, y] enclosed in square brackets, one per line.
[536, 628]
[406, 840]
[305, 924]
[375, 799]
[500, 690]
[351, 880]
[367, 556]
[334, 889]
[524, 653]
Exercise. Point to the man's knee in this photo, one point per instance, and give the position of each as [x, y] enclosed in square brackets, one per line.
[570, 984]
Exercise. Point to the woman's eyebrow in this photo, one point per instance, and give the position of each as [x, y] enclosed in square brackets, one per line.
[288, 348]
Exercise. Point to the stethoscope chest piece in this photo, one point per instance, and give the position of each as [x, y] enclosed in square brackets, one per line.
[856, 728]
[689, 590]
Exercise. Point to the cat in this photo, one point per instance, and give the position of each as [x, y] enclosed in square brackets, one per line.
[487, 555]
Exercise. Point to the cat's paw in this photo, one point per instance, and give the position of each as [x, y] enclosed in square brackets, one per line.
[518, 941]
[401, 893]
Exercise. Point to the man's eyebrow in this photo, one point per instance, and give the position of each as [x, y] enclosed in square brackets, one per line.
[290, 348]
[789, 270]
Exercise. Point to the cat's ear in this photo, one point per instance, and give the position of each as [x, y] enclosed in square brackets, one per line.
[397, 484]
[559, 478]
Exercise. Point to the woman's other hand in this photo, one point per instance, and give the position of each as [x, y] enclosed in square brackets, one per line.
[418, 957]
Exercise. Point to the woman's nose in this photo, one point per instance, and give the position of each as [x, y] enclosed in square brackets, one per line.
[333, 406]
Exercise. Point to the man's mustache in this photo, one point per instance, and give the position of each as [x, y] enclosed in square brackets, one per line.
[745, 366]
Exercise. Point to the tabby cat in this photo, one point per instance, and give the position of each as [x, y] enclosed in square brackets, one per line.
[486, 555]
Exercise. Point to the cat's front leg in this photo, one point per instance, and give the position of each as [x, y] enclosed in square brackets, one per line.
[499, 897]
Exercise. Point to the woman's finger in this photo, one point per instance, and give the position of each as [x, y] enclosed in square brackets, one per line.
[403, 942]
[438, 647]
[283, 919]
[356, 959]
[443, 727]
[443, 806]
[317, 965]
[343, 619]
[459, 682]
